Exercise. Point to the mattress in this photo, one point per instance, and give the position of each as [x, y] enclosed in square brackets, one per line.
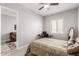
[48, 47]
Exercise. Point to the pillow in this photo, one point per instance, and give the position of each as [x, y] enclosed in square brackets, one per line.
[77, 40]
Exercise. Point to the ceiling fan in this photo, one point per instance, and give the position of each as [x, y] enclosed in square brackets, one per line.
[47, 5]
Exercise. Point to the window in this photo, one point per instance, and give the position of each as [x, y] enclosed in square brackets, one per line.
[54, 26]
[57, 26]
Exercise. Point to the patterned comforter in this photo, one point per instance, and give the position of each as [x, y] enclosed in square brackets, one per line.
[47, 47]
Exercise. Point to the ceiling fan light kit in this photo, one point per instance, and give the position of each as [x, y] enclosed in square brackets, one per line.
[47, 5]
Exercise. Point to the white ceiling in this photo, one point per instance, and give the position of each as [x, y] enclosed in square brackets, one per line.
[52, 9]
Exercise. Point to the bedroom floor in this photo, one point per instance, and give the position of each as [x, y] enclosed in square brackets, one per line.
[20, 52]
[7, 48]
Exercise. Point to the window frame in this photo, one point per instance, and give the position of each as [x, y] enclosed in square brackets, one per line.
[57, 30]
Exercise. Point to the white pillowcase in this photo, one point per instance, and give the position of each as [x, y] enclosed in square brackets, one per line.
[77, 40]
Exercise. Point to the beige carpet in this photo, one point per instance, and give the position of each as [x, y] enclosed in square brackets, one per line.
[6, 49]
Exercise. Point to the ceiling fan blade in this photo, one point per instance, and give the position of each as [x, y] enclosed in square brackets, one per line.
[54, 3]
[41, 3]
[41, 8]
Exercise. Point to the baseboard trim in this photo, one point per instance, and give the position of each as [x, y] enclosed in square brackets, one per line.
[22, 47]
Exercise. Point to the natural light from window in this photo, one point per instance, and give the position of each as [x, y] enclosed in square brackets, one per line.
[57, 26]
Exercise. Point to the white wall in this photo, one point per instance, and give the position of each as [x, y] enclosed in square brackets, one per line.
[70, 19]
[29, 24]
[7, 26]
[0, 30]
[78, 21]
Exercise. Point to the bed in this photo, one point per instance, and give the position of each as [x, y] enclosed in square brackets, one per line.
[47, 47]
